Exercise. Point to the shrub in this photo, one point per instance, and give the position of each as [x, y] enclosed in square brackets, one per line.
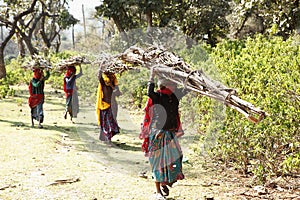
[265, 71]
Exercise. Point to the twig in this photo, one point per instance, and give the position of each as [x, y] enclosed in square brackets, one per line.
[64, 181]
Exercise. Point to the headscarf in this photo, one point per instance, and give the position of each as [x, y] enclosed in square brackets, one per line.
[70, 70]
[37, 73]
[109, 79]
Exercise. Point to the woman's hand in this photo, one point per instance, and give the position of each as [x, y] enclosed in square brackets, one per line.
[152, 74]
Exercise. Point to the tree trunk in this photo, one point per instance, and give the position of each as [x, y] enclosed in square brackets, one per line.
[21, 46]
[2, 47]
[43, 33]
[58, 43]
[149, 20]
[84, 24]
[2, 63]
[31, 49]
[120, 28]
[73, 37]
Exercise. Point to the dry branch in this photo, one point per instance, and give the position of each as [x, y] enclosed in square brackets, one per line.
[72, 61]
[173, 68]
[64, 181]
[37, 62]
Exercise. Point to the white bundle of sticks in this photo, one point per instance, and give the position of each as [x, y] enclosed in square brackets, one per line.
[173, 68]
[37, 62]
[72, 61]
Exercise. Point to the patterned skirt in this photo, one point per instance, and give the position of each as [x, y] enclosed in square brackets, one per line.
[165, 156]
[108, 125]
[37, 112]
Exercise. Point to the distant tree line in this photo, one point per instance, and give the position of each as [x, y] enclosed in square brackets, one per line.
[208, 20]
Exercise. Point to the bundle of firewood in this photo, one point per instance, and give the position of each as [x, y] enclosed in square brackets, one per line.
[113, 64]
[170, 66]
[37, 62]
[72, 61]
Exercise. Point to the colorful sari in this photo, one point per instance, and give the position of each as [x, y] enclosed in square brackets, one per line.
[107, 122]
[36, 97]
[70, 89]
[165, 156]
[162, 146]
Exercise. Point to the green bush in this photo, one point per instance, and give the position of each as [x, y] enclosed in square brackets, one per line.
[133, 85]
[265, 72]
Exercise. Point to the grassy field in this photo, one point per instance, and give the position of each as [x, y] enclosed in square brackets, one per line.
[65, 160]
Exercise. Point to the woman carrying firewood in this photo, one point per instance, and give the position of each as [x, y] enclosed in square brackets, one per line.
[70, 88]
[37, 97]
[161, 142]
[108, 84]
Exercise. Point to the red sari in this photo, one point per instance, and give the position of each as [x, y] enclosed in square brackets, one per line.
[35, 99]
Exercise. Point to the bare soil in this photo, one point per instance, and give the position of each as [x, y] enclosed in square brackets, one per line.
[65, 160]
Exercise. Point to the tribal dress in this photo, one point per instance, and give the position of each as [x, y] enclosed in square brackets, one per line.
[106, 120]
[163, 148]
[72, 102]
[36, 98]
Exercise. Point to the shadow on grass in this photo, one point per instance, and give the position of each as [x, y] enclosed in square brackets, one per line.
[124, 146]
[119, 155]
[15, 123]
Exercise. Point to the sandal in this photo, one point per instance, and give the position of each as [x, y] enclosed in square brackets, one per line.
[165, 190]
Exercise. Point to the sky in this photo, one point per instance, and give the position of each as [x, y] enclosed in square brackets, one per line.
[89, 9]
[76, 7]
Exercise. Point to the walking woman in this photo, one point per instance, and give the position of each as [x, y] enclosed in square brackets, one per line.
[106, 119]
[37, 96]
[161, 144]
[70, 88]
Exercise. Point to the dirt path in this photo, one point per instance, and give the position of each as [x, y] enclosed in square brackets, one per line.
[66, 160]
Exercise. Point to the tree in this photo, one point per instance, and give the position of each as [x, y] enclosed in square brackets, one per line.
[280, 18]
[11, 23]
[124, 13]
[203, 20]
[196, 19]
[57, 18]
[33, 22]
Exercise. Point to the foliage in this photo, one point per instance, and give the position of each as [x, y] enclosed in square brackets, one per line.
[88, 84]
[15, 75]
[133, 86]
[36, 24]
[66, 20]
[277, 17]
[196, 19]
[265, 71]
[4, 88]
[204, 20]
